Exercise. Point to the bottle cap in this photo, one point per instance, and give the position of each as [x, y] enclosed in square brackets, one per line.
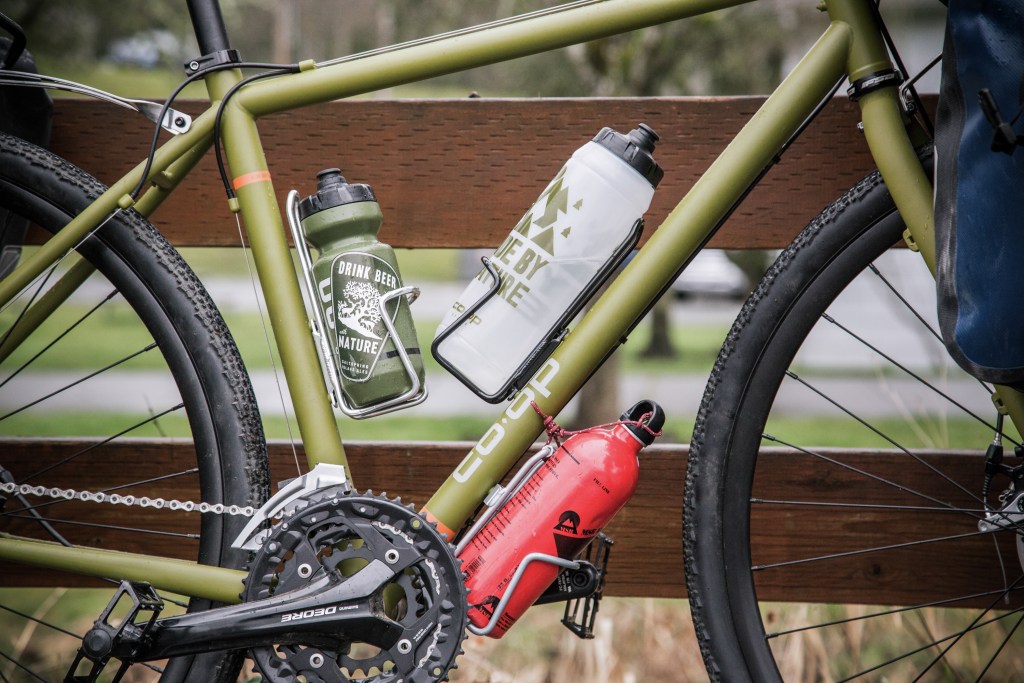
[636, 149]
[332, 190]
[645, 433]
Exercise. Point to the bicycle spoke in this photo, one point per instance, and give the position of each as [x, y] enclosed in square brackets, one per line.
[42, 280]
[913, 374]
[999, 649]
[867, 506]
[914, 456]
[899, 295]
[868, 551]
[59, 337]
[913, 311]
[24, 668]
[39, 621]
[960, 635]
[865, 473]
[147, 349]
[104, 442]
[889, 612]
[928, 646]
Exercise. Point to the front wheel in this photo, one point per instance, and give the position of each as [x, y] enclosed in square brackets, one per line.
[836, 478]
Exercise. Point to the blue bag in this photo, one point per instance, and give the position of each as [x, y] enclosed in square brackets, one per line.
[979, 180]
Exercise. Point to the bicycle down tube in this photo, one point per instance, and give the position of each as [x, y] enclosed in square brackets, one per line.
[849, 45]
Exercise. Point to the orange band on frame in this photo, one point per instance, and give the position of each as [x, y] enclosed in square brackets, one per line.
[441, 526]
[250, 178]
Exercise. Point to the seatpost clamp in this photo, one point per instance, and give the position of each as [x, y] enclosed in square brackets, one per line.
[194, 66]
[872, 82]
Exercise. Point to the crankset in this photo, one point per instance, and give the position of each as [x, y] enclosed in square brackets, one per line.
[419, 610]
[345, 587]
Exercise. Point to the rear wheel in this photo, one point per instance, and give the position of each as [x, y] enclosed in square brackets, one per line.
[838, 461]
[139, 350]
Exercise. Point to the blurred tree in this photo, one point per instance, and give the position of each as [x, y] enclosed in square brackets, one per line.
[672, 59]
[84, 30]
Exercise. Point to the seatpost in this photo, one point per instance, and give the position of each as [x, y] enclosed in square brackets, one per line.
[208, 23]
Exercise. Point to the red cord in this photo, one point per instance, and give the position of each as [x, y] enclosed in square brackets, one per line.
[556, 432]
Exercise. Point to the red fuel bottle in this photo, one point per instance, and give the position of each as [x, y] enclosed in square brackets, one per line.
[557, 512]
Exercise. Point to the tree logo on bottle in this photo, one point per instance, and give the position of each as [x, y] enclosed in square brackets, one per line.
[359, 308]
[358, 282]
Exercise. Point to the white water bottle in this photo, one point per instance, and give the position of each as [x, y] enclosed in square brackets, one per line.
[580, 228]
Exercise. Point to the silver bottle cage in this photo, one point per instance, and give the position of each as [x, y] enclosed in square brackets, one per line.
[496, 500]
[417, 392]
[550, 341]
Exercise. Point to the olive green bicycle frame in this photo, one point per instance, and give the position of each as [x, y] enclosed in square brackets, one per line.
[850, 46]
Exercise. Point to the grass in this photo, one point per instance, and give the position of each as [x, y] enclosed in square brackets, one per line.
[115, 326]
[836, 652]
[536, 650]
[46, 651]
[394, 428]
[923, 432]
[823, 432]
[636, 639]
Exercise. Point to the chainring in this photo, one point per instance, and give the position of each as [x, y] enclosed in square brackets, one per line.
[339, 532]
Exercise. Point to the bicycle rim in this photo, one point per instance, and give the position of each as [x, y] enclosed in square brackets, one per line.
[834, 412]
[137, 352]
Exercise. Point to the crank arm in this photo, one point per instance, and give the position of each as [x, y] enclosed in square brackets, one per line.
[319, 614]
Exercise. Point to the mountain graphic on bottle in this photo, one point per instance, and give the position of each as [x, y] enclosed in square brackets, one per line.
[583, 224]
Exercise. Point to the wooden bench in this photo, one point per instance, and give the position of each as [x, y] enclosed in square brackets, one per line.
[458, 174]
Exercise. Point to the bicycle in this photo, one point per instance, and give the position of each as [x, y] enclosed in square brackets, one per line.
[737, 633]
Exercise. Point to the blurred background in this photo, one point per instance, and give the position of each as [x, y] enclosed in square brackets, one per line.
[136, 48]
[135, 43]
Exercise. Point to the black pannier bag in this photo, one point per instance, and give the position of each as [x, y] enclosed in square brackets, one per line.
[979, 187]
[26, 113]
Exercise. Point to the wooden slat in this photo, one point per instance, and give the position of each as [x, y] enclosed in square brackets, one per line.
[460, 173]
[647, 558]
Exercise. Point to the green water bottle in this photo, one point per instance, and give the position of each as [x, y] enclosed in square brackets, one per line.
[353, 275]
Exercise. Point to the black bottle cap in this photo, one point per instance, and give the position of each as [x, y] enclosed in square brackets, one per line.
[332, 190]
[649, 430]
[636, 149]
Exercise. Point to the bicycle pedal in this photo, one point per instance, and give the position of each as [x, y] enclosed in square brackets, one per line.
[105, 641]
[581, 613]
[572, 583]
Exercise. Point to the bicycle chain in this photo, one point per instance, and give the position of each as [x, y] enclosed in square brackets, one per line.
[118, 499]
